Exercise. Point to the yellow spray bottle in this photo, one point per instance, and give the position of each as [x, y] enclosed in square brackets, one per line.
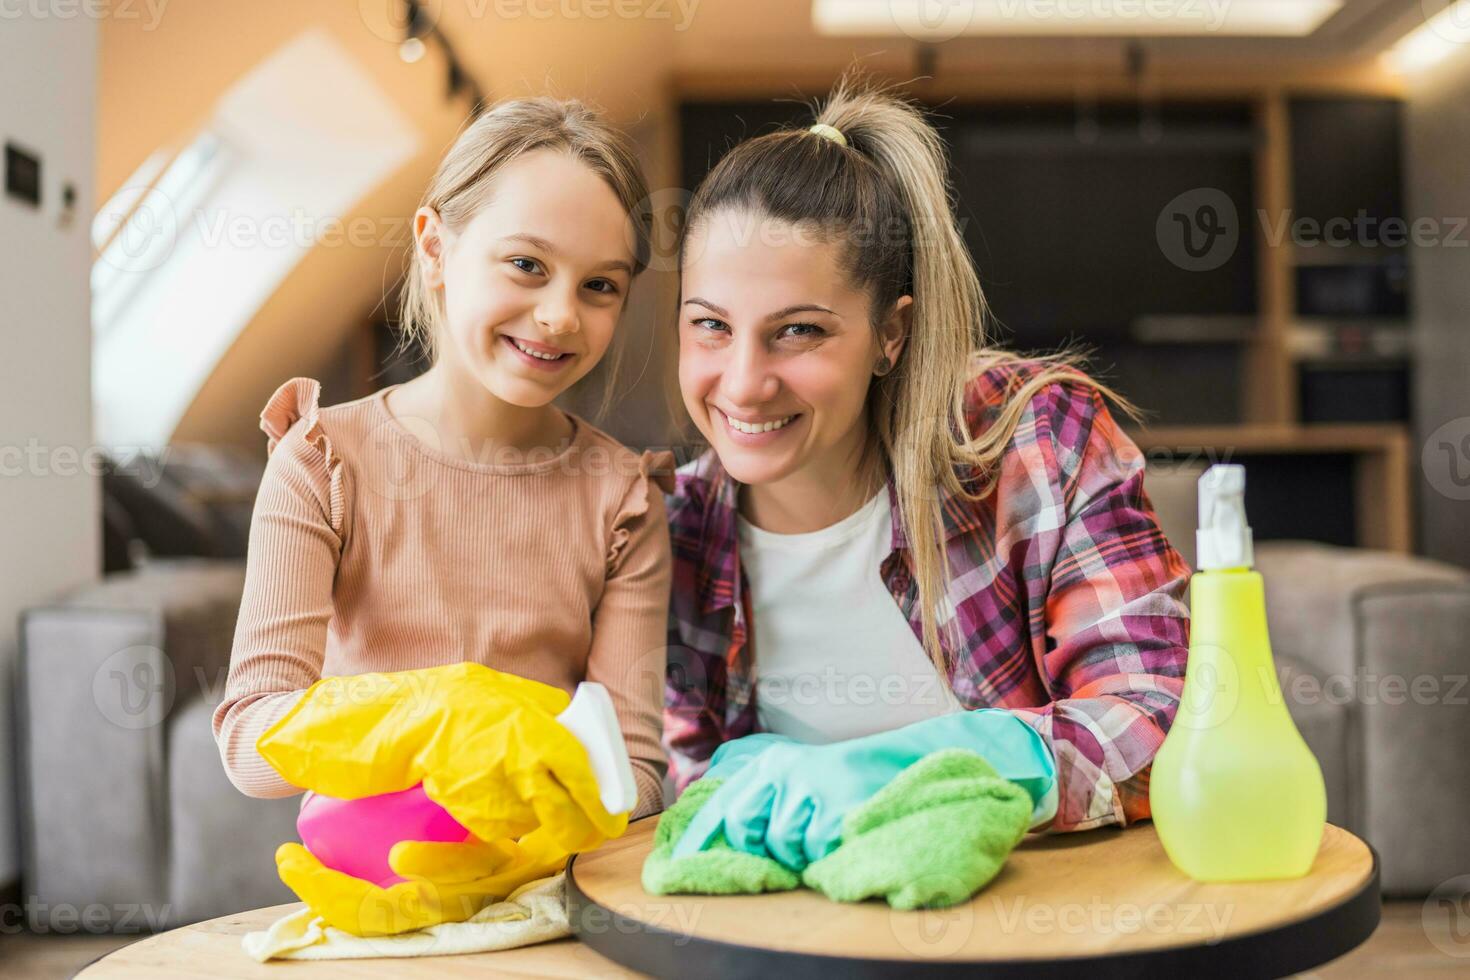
[1235, 792]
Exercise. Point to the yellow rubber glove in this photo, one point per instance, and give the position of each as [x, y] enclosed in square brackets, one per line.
[447, 882]
[485, 744]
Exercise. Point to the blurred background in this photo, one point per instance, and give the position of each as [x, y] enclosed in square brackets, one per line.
[1252, 212]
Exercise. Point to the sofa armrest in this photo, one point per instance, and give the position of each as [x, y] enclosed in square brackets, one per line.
[1315, 595]
[101, 672]
[1388, 638]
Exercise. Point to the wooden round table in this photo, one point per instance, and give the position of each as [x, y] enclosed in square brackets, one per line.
[1100, 903]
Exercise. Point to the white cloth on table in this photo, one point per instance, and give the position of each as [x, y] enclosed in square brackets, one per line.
[534, 913]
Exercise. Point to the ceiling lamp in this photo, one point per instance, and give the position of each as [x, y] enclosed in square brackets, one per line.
[419, 27]
[1444, 32]
[941, 20]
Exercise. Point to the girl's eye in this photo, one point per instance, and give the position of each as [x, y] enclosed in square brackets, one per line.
[534, 265]
[803, 331]
[604, 286]
[707, 323]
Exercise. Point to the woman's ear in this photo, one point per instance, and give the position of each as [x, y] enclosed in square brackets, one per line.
[894, 329]
[429, 236]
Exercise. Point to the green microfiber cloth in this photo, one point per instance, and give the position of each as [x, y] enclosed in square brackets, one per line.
[931, 838]
[935, 835]
[719, 869]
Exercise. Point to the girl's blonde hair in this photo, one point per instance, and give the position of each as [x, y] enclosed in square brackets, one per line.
[885, 198]
[462, 185]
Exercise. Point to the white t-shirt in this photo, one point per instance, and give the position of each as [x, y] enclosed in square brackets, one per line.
[835, 658]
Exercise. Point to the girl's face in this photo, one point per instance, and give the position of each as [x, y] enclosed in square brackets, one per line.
[534, 284]
[777, 349]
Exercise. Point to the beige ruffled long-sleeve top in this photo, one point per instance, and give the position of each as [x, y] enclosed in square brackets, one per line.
[371, 550]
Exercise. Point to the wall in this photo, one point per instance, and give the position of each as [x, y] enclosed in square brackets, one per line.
[160, 80]
[49, 505]
[1437, 152]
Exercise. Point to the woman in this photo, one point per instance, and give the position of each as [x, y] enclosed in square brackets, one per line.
[900, 538]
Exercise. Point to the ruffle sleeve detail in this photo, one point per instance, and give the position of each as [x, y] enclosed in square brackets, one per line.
[298, 399]
[655, 469]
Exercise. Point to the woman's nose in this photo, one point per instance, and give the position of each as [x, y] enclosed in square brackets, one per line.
[748, 380]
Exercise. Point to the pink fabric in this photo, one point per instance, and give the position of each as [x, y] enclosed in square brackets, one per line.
[355, 836]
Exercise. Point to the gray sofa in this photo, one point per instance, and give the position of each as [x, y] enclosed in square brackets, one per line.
[124, 800]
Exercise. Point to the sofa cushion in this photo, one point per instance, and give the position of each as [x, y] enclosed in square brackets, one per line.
[1320, 715]
[190, 500]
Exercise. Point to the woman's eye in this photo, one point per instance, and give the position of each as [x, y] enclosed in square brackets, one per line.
[803, 331]
[533, 265]
[708, 323]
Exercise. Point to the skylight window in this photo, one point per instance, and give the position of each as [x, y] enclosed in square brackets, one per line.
[199, 240]
[135, 230]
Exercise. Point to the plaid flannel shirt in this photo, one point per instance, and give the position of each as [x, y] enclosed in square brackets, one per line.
[1070, 603]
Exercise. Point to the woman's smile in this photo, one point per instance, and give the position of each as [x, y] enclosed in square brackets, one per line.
[754, 430]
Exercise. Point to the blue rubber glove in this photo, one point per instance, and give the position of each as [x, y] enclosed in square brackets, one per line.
[734, 755]
[786, 799]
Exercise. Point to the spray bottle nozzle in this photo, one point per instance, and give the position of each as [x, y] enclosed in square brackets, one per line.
[590, 717]
[1224, 538]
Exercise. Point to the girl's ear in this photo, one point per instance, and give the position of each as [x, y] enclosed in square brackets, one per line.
[429, 240]
[894, 329]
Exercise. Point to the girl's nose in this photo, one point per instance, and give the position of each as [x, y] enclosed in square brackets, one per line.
[557, 315]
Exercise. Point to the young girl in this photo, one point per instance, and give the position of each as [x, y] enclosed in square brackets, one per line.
[461, 516]
[901, 539]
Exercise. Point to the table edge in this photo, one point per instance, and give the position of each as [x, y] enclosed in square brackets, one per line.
[1274, 951]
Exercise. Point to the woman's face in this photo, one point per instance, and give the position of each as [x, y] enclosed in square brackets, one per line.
[534, 283]
[776, 349]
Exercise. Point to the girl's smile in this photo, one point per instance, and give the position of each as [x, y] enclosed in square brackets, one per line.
[540, 357]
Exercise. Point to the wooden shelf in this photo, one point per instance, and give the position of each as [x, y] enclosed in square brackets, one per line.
[1272, 438]
[1381, 465]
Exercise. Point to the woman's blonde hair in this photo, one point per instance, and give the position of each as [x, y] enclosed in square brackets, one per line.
[461, 185]
[885, 198]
